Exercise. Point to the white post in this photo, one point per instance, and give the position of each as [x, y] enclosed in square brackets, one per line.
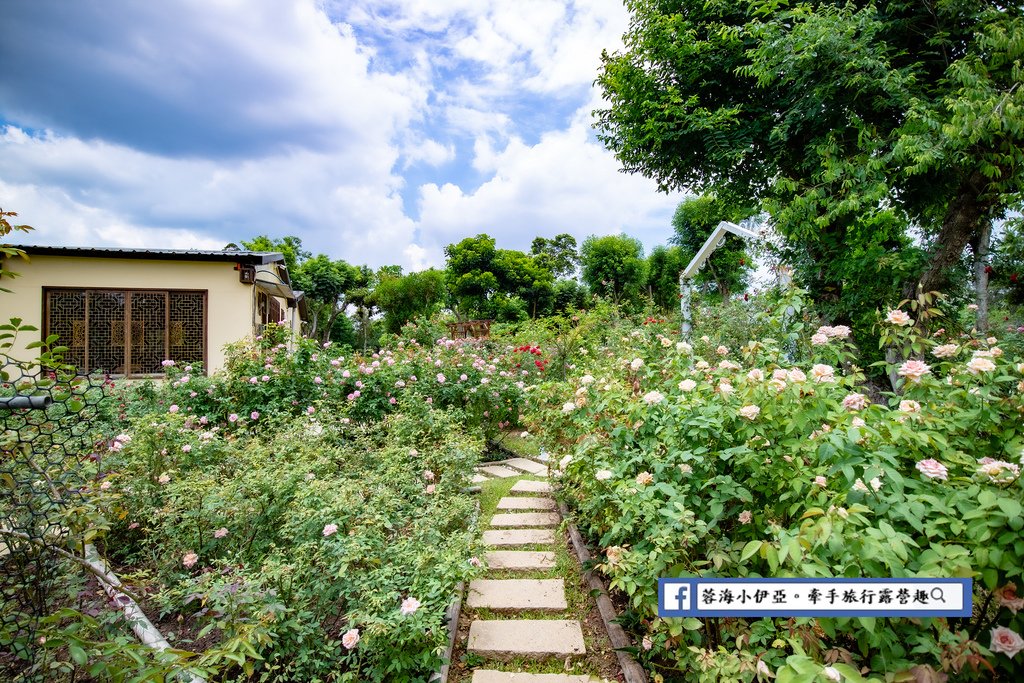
[685, 291]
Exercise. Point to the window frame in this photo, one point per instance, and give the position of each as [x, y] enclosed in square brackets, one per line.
[127, 291]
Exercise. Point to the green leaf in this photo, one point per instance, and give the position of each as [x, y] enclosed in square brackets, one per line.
[750, 549]
[692, 623]
[78, 655]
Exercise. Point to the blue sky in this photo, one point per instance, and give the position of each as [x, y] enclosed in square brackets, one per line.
[376, 130]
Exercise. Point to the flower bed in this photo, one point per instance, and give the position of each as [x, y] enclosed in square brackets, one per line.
[705, 460]
[299, 517]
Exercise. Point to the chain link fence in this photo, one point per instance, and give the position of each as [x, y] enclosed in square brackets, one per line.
[51, 449]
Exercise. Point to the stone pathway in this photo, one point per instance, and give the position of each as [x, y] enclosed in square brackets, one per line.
[526, 518]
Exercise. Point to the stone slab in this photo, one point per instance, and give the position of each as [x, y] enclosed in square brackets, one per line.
[499, 471]
[530, 638]
[530, 486]
[520, 559]
[517, 594]
[525, 519]
[479, 479]
[513, 537]
[527, 466]
[491, 676]
[525, 503]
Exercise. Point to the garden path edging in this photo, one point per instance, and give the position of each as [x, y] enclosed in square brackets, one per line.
[452, 616]
[631, 669]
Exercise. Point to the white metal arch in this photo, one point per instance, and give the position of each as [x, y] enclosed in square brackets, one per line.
[698, 261]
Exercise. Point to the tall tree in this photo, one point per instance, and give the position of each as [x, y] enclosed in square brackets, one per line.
[469, 265]
[326, 283]
[405, 297]
[559, 254]
[526, 277]
[663, 268]
[838, 117]
[500, 283]
[614, 266]
[289, 246]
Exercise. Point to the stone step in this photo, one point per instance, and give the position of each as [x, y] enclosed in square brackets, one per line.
[479, 479]
[513, 537]
[517, 594]
[491, 676]
[498, 471]
[527, 466]
[530, 486]
[525, 503]
[528, 638]
[524, 519]
[519, 559]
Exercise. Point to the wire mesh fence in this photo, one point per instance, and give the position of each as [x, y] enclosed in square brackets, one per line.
[51, 448]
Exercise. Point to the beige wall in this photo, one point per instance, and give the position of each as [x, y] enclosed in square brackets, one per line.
[229, 303]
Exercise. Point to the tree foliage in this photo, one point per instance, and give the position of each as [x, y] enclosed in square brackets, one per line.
[405, 297]
[559, 254]
[497, 283]
[836, 117]
[614, 266]
[663, 268]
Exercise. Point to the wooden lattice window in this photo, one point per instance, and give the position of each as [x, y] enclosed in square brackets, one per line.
[127, 332]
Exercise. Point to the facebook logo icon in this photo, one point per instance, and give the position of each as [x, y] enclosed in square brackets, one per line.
[674, 597]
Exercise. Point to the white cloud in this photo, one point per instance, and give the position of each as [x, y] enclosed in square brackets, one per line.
[124, 195]
[196, 123]
[566, 182]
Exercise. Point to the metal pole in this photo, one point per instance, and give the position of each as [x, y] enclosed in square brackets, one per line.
[30, 402]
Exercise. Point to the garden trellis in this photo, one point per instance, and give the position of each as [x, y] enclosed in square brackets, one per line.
[718, 236]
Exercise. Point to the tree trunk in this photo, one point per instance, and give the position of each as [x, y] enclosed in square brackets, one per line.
[980, 245]
[966, 214]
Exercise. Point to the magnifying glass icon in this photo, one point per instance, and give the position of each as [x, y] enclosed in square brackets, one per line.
[937, 594]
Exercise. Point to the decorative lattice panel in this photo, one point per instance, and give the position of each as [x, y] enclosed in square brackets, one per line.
[149, 332]
[188, 326]
[106, 332]
[92, 324]
[66, 313]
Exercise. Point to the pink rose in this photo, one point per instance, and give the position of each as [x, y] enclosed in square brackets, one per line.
[190, 560]
[410, 605]
[898, 317]
[745, 517]
[430, 489]
[1008, 597]
[750, 412]
[914, 370]
[173, 408]
[820, 481]
[220, 533]
[350, 639]
[933, 469]
[855, 402]
[330, 530]
[255, 414]
[1006, 641]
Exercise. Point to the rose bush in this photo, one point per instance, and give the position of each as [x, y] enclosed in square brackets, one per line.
[711, 459]
[301, 516]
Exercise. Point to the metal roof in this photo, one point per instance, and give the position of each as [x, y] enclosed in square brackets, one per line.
[225, 255]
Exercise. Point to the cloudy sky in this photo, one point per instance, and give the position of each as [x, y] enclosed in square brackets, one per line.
[376, 130]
